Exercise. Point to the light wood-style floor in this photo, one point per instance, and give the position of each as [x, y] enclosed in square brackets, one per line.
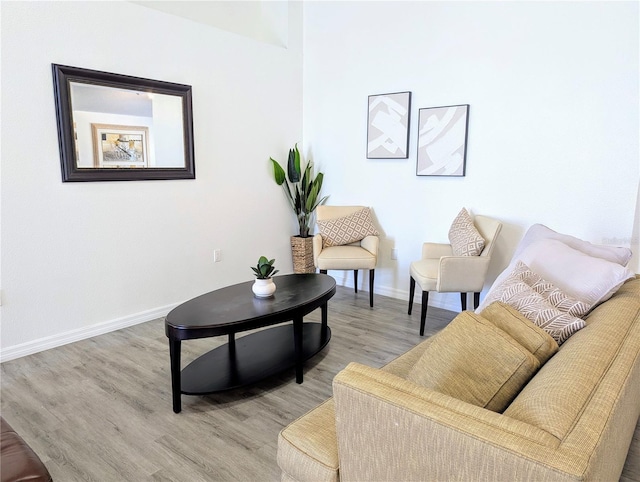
[100, 409]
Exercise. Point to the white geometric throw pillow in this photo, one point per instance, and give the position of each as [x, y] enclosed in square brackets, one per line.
[464, 237]
[347, 229]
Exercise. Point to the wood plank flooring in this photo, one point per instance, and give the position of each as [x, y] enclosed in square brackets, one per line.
[100, 409]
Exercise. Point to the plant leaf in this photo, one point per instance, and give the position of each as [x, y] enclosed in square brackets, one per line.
[294, 174]
[297, 159]
[278, 172]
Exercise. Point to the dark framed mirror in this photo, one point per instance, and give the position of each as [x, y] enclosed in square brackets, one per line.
[114, 127]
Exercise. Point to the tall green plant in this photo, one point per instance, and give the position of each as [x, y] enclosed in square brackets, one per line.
[301, 188]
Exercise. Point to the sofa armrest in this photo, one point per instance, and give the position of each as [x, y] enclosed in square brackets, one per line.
[436, 250]
[370, 243]
[18, 461]
[391, 429]
[462, 274]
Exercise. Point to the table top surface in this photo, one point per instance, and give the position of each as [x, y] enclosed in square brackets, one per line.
[235, 308]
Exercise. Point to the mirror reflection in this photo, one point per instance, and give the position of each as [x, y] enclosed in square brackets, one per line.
[118, 128]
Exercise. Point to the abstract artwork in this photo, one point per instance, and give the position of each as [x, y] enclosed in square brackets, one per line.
[442, 140]
[120, 146]
[388, 126]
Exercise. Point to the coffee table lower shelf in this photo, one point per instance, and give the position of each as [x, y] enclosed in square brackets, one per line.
[255, 356]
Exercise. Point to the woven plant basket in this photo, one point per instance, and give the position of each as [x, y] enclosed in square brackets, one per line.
[302, 254]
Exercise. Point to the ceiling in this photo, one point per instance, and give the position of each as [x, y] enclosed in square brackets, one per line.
[266, 21]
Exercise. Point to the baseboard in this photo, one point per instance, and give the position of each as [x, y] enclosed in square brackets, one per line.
[42, 344]
[451, 303]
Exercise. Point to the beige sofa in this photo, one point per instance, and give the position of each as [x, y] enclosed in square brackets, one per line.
[574, 420]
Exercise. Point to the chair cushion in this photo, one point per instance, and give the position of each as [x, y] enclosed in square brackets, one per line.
[347, 229]
[346, 257]
[464, 237]
[539, 343]
[541, 302]
[476, 362]
[425, 273]
[308, 447]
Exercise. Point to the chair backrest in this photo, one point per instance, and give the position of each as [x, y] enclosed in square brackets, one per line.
[332, 212]
[489, 228]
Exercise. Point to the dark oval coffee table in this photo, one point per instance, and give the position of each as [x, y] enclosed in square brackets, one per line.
[258, 355]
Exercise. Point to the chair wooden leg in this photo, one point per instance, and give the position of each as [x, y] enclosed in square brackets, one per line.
[412, 291]
[463, 301]
[476, 300]
[355, 279]
[423, 313]
[371, 276]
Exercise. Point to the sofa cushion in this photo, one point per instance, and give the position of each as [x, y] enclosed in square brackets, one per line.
[541, 302]
[347, 229]
[308, 447]
[539, 343]
[464, 237]
[476, 362]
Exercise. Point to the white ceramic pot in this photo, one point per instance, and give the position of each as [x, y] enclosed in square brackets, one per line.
[263, 288]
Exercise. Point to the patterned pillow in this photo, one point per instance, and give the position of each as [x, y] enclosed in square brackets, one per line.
[541, 302]
[464, 237]
[348, 229]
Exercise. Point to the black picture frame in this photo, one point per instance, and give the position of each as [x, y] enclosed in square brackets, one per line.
[388, 122]
[442, 141]
[64, 75]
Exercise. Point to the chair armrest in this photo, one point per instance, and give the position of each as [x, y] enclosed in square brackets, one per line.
[391, 429]
[464, 274]
[317, 247]
[370, 243]
[436, 250]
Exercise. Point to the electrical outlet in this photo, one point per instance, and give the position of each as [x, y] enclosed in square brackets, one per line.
[394, 253]
[217, 255]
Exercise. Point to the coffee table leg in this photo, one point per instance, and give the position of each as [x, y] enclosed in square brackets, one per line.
[176, 388]
[323, 329]
[297, 343]
[232, 345]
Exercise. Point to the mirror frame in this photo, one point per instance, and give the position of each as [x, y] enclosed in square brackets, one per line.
[63, 75]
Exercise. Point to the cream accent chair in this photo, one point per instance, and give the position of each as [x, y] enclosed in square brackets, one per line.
[439, 270]
[359, 255]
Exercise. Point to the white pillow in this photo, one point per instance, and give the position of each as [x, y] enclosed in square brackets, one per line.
[590, 279]
[615, 254]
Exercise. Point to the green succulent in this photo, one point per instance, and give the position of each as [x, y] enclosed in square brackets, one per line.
[302, 189]
[264, 269]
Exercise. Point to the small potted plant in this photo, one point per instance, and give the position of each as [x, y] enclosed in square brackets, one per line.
[264, 287]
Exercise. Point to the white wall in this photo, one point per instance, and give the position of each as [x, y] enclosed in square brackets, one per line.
[553, 89]
[553, 130]
[81, 258]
